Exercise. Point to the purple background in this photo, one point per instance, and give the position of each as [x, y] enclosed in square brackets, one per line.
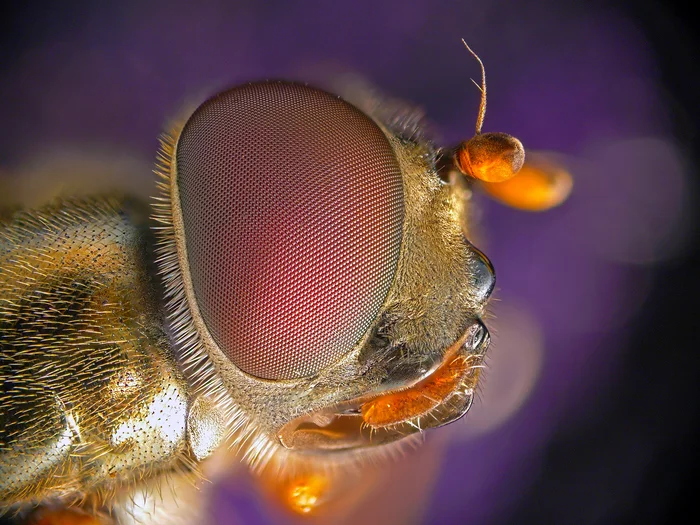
[607, 277]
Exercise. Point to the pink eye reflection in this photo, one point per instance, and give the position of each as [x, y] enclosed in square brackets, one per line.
[292, 204]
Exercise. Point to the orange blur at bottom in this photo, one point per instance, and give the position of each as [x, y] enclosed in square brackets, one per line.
[319, 493]
[542, 183]
[393, 493]
[398, 407]
[303, 494]
[67, 517]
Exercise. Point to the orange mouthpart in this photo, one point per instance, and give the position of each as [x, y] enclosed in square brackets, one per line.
[457, 374]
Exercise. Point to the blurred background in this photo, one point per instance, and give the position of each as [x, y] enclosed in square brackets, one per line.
[589, 413]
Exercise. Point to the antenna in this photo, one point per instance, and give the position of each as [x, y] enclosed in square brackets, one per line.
[482, 88]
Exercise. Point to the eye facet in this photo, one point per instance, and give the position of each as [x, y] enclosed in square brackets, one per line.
[292, 207]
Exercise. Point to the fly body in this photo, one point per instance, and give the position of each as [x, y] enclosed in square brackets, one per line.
[304, 293]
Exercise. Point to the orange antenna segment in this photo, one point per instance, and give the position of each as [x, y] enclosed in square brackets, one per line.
[490, 157]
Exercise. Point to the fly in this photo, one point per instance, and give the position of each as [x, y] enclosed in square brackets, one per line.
[302, 291]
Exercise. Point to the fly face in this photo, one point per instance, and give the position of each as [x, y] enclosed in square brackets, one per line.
[316, 260]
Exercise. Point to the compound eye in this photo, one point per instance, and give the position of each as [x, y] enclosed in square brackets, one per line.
[292, 207]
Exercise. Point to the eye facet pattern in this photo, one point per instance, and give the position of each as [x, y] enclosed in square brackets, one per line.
[292, 206]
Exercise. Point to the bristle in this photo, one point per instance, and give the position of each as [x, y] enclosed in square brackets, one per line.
[251, 445]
